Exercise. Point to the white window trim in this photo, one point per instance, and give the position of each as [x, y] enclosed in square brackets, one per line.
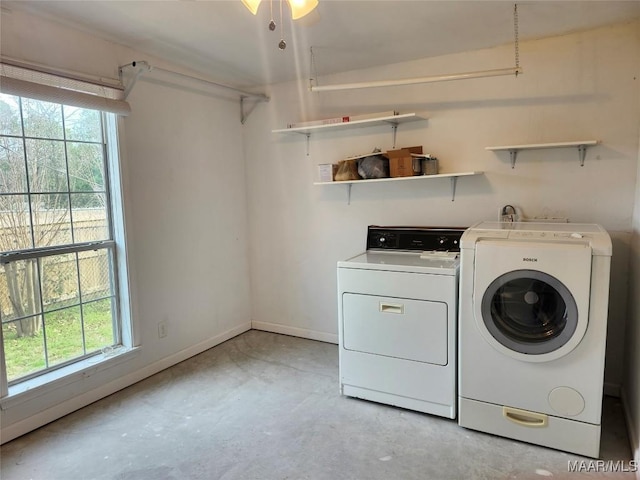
[52, 380]
[129, 334]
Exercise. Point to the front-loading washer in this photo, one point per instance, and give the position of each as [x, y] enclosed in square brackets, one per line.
[532, 332]
[397, 305]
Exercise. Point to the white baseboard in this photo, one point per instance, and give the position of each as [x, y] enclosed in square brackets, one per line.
[634, 435]
[612, 390]
[295, 332]
[58, 411]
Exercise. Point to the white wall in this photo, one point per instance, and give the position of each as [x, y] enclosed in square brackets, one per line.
[185, 208]
[575, 87]
[631, 389]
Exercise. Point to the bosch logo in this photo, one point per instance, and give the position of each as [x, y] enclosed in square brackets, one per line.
[529, 259]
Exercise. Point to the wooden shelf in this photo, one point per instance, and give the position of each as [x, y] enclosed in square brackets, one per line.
[452, 176]
[369, 122]
[514, 149]
[394, 121]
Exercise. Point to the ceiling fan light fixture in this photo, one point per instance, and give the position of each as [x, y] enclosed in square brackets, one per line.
[252, 5]
[300, 8]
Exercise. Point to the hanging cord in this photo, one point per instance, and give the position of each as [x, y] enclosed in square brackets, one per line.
[516, 37]
[282, 45]
[272, 24]
[313, 71]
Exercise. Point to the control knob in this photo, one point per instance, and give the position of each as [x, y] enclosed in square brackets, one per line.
[442, 240]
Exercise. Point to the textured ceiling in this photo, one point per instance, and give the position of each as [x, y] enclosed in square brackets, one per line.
[223, 41]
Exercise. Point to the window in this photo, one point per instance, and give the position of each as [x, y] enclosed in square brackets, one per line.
[59, 298]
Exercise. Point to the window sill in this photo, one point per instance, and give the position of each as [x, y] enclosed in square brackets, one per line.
[51, 381]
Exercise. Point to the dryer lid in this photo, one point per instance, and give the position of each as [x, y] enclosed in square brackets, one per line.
[404, 262]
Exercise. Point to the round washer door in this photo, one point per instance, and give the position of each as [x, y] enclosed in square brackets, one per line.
[531, 314]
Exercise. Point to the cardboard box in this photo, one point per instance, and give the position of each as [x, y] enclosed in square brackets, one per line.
[401, 162]
[327, 172]
[417, 150]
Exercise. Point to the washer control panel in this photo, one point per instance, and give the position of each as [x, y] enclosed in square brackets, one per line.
[548, 235]
[588, 234]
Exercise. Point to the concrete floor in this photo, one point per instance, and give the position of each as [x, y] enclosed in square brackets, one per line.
[267, 406]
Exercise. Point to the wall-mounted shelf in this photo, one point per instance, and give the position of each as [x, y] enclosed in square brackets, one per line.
[369, 122]
[514, 149]
[452, 176]
[393, 120]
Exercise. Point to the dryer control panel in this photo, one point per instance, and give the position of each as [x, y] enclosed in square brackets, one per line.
[414, 238]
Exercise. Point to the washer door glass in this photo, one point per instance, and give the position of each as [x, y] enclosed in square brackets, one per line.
[529, 312]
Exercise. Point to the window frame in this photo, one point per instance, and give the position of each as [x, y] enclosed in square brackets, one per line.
[115, 247]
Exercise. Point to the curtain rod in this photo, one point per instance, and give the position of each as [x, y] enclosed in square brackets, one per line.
[146, 67]
[410, 81]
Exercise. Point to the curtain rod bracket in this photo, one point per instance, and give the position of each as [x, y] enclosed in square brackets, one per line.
[140, 67]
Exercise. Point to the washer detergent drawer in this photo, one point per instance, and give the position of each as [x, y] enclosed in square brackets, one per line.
[395, 327]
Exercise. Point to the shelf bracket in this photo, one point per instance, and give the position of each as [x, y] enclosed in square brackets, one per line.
[308, 135]
[244, 115]
[454, 181]
[349, 193]
[513, 153]
[582, 152]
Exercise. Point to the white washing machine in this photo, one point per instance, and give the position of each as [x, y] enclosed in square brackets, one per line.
[397, 306]
[532, 332]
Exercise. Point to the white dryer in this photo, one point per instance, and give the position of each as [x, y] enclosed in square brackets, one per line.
[397, 305]
[532, 332]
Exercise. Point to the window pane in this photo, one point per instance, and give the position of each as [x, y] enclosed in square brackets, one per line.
[95, 274]
[98, 324]
[89, 217]
[86, 167]
[13, 174]
[19, 289]
[59, 275]
[51, 221]
[54, 191]
[64, 335]
[47, 166]
[23, 353]
[15, 223]
[42, 119]
[82, 124]
[10, 123]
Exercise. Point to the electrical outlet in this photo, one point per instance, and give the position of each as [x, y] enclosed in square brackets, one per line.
[162, 329]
